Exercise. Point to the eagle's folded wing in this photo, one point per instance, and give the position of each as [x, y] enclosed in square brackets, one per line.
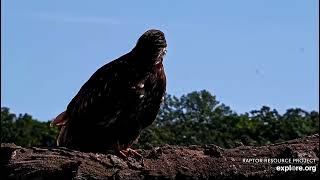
[98, 98]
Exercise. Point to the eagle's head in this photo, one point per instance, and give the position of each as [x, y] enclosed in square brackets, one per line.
[152, 44]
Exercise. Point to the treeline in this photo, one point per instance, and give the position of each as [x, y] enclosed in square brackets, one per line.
[25, 131]
[195, 118]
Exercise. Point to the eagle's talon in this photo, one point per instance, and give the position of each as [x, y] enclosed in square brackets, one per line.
[125, 153]
[134, 153]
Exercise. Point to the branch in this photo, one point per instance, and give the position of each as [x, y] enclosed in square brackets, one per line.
[165, 162]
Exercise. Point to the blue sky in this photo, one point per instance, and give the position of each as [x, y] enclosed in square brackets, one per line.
[248, 53]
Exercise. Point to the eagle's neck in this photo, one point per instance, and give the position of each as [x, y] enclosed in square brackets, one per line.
[146, 62]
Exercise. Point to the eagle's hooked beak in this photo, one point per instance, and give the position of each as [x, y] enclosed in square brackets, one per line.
[164, 51]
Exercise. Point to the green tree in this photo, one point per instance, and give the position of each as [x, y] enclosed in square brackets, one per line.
[7, 126]
[26, 131]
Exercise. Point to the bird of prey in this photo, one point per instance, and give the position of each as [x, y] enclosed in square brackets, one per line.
[118, 101]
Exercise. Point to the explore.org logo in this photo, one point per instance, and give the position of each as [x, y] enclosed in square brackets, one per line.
[296, 168]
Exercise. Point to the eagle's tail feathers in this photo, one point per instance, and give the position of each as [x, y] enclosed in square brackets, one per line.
[61, 120]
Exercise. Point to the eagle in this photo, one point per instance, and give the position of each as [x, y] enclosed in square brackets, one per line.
[118, 101]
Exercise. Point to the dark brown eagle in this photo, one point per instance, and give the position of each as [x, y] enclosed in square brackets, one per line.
[118, 101]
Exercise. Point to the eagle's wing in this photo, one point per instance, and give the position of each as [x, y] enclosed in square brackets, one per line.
[100, 97]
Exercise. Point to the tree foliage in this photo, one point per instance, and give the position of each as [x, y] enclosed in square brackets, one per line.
[195, 118]
[25, 131]
[198, 118]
